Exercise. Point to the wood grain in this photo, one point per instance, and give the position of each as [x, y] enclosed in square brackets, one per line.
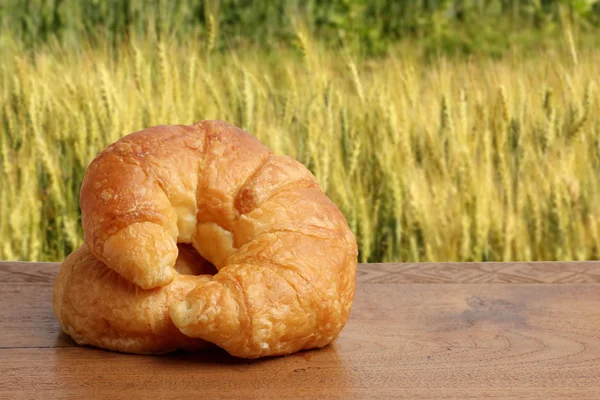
[394, 273]
[408, 337]
[481, 272]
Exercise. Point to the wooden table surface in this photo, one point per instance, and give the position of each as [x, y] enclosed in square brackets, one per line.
[416, 331]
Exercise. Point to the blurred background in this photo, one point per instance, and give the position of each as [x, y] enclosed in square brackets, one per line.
[463, 130]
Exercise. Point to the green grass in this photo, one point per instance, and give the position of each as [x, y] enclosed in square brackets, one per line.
[371, 26]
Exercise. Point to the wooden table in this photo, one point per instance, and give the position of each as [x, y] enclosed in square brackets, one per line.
[417, 331]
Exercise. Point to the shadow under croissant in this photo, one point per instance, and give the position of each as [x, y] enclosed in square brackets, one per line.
[85, 373]
[182, 365]
[210, 355]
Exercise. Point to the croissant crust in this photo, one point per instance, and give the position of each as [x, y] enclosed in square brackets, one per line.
[199, 235]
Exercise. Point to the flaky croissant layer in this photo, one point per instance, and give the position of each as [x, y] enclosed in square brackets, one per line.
[285, 255]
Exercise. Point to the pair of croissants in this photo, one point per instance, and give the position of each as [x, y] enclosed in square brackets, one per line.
[198, 235]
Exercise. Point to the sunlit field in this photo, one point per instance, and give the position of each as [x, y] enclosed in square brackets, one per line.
[438, 160]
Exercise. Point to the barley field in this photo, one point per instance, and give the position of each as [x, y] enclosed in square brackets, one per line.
[440, 160]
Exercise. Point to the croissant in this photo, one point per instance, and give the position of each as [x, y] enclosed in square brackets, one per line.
[98, 307]
[285, 255]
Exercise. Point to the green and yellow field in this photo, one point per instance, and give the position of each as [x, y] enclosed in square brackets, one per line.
[447, 130]
[445, 160]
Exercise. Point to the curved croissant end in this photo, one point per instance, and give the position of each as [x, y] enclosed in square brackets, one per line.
[123, 317]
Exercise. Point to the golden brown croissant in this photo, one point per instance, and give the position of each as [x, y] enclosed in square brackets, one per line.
[285, 256]
[96, 306]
